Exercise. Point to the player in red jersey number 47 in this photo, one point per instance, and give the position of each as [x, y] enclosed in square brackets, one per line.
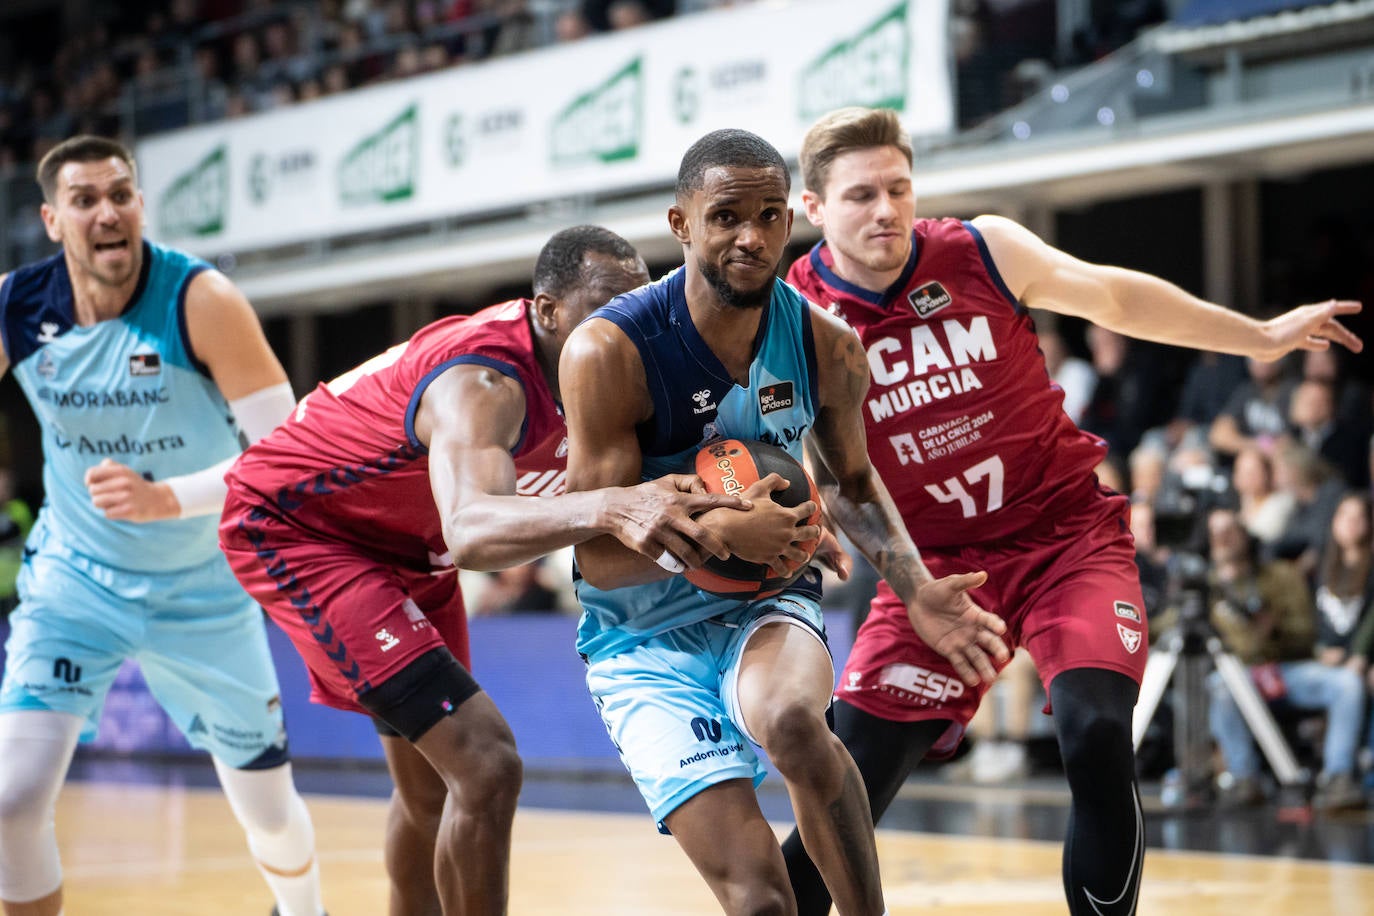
[971, 439]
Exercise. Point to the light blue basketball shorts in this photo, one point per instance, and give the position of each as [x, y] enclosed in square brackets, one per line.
[670, 706]
[196, 634]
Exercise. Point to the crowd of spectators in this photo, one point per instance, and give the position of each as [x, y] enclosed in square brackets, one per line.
[161, 65]
[168, 64]
[1273, 463]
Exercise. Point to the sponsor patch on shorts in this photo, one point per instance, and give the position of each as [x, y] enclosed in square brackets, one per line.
[1123, 609]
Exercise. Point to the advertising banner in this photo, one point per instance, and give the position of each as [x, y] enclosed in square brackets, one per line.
[604, 114]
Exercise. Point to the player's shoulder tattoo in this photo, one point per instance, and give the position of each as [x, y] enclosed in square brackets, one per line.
[848, 353]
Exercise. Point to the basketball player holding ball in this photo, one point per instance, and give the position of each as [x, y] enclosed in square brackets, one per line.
[687, 681]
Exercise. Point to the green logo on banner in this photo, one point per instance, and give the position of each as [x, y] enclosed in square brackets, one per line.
[686, 95]
[196, 203]
[383, 167]
[455, 141]
[868, 69]
[604, 124]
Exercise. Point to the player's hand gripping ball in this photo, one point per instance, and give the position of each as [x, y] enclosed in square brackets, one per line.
[731, 466]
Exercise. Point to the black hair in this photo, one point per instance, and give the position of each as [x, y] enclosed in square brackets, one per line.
[731, 148]
[559, 265]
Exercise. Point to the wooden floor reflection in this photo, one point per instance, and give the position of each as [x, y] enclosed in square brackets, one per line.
[155, 850]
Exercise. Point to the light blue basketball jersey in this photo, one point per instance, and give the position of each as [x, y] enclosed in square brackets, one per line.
[128, 389]
[696, 400]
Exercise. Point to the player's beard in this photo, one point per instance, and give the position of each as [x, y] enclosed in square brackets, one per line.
[731, 296]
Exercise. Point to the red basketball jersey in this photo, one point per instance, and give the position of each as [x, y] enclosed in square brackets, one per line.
[347, 465]
[964, 424]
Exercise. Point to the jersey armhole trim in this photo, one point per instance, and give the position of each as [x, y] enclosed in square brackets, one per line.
[809, 346]
[991, 267]
[471, 359]
[5, 346]
[183, 327]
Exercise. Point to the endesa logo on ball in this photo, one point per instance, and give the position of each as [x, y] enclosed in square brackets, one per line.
[724, 455]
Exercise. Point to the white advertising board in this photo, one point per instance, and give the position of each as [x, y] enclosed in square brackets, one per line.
[606, 113]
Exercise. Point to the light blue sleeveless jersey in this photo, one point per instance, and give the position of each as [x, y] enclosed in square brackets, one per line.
[128, 389]
[695, 400]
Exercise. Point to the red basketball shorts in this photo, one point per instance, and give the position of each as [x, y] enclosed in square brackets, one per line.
[1069, 592]
[355, 621]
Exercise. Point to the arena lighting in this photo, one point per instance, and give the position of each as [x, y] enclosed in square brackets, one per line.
[1106, 117]
[1144, 79]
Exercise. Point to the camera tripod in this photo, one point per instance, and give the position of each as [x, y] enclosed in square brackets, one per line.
[1184, 655]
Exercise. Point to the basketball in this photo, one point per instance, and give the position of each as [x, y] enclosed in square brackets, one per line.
[731, 466]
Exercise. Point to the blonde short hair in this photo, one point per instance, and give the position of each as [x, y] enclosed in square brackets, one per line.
[846, 129]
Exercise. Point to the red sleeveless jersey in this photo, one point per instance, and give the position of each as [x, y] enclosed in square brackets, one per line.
[964, 425]
[347, 465]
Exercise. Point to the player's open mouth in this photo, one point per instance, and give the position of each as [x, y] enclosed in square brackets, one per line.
[120, 245]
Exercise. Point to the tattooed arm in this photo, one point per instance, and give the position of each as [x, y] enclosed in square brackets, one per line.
[856, 500]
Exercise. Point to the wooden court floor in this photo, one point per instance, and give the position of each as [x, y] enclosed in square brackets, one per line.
[158, 851]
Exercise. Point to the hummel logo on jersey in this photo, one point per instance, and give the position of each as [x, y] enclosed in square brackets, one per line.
[701, 398]
[929, 298]
[905, 446]
[775, 397]
[47, 366]
[145, 364]
[388, 641]
[47, 331]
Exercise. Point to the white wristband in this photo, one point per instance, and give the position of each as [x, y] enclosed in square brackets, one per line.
[201, 492]
[264, 410]
[670, 562]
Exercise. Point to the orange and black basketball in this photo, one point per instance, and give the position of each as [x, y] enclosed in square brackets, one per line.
[731, 466]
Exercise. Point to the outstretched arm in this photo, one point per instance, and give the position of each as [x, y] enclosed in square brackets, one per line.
[470, 418]
[225, 335]
[854, 495]
[1146, 307]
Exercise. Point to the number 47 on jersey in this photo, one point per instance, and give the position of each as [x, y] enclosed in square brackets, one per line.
[953, 489]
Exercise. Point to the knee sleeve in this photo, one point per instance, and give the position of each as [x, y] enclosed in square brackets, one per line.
[274, 816]
[36, 747]
[1092, 716]
[1105, 846]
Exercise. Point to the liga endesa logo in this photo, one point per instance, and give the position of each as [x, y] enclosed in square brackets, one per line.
[778, 396]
